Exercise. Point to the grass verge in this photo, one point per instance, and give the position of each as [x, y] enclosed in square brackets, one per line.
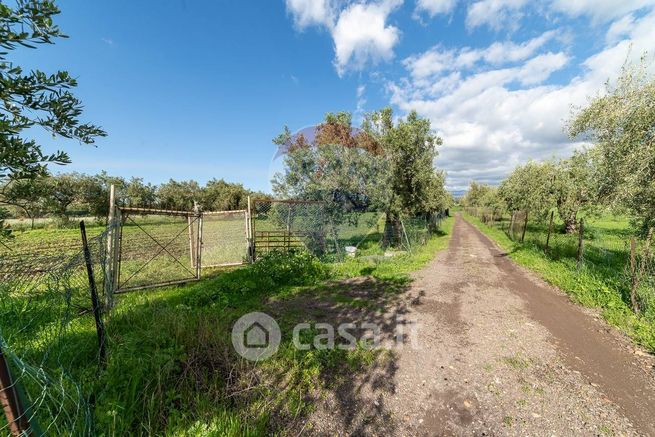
[588, 286]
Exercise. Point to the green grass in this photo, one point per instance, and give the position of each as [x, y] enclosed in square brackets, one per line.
[171, 368]
[599, 281]
[372, 262]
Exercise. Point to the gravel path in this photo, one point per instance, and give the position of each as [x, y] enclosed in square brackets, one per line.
[499, 353]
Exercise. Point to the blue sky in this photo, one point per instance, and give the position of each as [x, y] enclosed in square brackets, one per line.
[197, 89]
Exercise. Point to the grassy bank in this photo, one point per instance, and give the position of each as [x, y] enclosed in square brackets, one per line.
[588, 285]
[171, 368]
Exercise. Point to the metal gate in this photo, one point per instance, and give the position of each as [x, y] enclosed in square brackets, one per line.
[157, 248]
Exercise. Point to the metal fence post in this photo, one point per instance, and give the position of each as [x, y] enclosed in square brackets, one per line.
[16, 418]
[580, 242]
[249, 230]
[110, 273]
[100, 329]
[199, 247]
[550, 229]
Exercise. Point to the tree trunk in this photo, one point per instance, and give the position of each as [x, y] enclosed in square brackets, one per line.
[392, 230]
[571, 224]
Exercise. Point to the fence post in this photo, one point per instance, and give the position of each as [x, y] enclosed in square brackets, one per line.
[199, 246]
[525, 226]
[19, 424]
[100, 329]
[110, 273]
[550, 229]
[251, 256]
[580, 242]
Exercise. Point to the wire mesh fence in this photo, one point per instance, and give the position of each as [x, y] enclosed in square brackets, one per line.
[284, 225]
[332, 232]
[224, 238]
[47, 338]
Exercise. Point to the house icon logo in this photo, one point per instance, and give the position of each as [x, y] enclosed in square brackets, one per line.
[256, 336]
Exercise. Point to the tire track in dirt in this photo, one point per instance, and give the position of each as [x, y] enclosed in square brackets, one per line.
[500, 353]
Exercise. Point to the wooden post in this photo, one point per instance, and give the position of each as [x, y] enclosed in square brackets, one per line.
[634, 282]
[19, 424]
[100, 329]
[580, 242]
[525, 226]
[550, 229]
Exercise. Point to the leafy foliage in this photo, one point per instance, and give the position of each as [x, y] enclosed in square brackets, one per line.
[34, 99]
[621, 125]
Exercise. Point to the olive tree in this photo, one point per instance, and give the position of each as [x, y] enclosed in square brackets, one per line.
[529, 188]
[574, 188]
[621, 125]
[28, 195]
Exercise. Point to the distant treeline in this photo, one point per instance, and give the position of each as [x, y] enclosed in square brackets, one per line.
[74, 194]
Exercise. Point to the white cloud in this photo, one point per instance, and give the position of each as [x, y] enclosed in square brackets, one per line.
[359, 30]
[362, 35]
[494, 13]
[620, 28]
[311, 12]
[434, 7]
[438, 60]
[599, 10]
[492, 118]
[501, 52]
[498, 14]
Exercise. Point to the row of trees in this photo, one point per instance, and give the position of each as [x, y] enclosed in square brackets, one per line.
[72, 193]
[616, 171]
[381, 166]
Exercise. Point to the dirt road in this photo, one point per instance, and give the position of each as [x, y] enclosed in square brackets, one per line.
[499, 353]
